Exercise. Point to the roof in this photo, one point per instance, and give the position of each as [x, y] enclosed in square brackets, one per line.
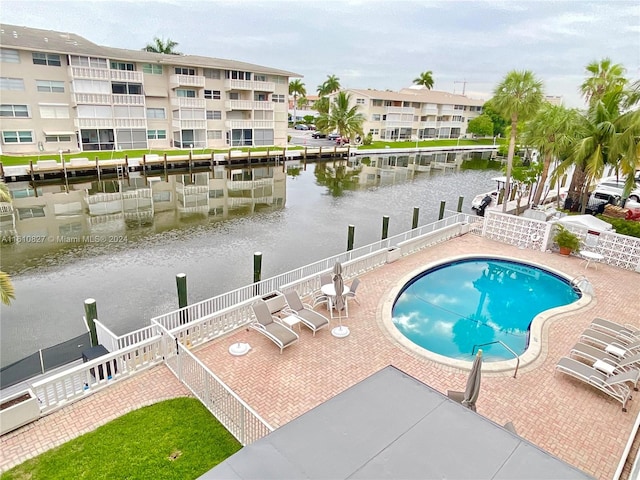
[415, 95]
[51, 41]
[392, 426]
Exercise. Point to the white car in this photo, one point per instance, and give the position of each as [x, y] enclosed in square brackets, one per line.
[613, 186]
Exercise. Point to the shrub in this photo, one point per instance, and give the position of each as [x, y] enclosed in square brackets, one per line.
[622, 226]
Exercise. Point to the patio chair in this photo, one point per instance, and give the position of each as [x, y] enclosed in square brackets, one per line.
[352, 290]
[270, 326]
[605, 340]
[320, 298]
[308, 317]
[594, 354]
[613, 385]
[614, 328]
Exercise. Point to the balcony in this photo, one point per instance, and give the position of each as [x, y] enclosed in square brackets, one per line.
[88, 72]
[130, 122]
[186, 102]
[128, 99]
[405, 110]
[126, 76]
[247, 105]
[428, 124]
[189, 124]
[92, 98]
[246, 124]
[429, 110]
[94, 122]
[444, 110]
[249, 85]
[196, 81]
[398, 123]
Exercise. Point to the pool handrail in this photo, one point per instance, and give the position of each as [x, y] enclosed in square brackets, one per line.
[473, 351]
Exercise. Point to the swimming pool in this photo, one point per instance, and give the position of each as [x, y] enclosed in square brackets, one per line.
[452, 308]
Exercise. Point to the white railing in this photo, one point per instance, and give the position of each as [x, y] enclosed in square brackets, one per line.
[128, 99]
[249, 124]
[406, 110]
[130, 122]
[248, 184]
[187, 80]
[190, 124]
[126, 76]
[429, 110]
[94, 122]
[247, 105]
[59, 390]
[446, 111]
[89, 72]
[249, 85]
[92, 98]
[398, 123]
[187, 102]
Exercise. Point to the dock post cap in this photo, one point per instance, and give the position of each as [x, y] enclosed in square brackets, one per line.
[90, 300]
[181, 275]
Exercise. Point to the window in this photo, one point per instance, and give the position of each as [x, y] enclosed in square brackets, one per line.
[237, 75]
[94, 111]
[50, 86]
[263, 137]
[388, 103]
[7, 83]
[54, 111]
[260, 96]
[9, 56]
[128, 111]
[374, 131]
[263, 114]
[233, 95]
[359, 101]
[30, 212]
[212, 94]
[185, 71]
[458, 107]
[181, 92]
[126, 88]
[156, 134]
[156, 113]
[92, 62]
[152, 68]
[214, 115]
[16, 111]
[377, 103]
[212, 73]
[46, 59]
[23, 136]
[278, 98]
[122, 66]
[260, 78]
[91, 86]
[57, 138]
[214, 134]
[457, 118]
[375, 117]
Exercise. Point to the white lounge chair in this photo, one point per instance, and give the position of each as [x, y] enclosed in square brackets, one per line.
[614, 328]
[270, 326]
[603, 340]
[594, 354]
[307, 315]
[613, 385]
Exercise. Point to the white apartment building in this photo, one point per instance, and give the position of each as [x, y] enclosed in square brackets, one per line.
[414, 113]
[59, 91]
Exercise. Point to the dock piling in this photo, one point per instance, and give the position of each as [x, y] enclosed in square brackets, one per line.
[350, 237]
[460, 201]
[416, 214]
[257, 266]
[385, 226]
[441, 214]
[90, 316]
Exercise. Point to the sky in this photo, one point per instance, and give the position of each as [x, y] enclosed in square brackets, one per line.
[367, 43]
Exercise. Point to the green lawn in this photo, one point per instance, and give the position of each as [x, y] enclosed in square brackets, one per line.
[428, 143]
[175, 439]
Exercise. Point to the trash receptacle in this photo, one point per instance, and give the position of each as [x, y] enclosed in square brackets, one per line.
[97, 352]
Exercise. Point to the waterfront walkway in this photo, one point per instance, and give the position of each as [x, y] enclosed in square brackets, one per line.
[561, 415]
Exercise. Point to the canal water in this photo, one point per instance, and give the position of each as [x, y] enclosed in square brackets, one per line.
[122, 241]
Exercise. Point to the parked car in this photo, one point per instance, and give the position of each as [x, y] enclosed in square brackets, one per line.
[318, 134]
[342, 141]
[333, 136]
[301, 126]
[311, 126]
[615, 186]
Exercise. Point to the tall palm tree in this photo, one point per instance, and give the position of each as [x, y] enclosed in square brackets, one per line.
[296, 87]
[161, 46]
[330, 85]
[604, 76]
[551, 131]
[517, 97]
[341, 117]
[425, 79]
[7, 292]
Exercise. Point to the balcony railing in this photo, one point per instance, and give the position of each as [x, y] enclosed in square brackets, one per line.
[189, 124]
[446, 111]
[249, 85]
[247, 105]
[398, 123]
[249, 124]
[94, 122]
[92, 98]
[186, 81]
[429, 110]
[128, 99]
[186, 102]
[406, 110]
[88, 72]
[130, 122]
[126, 76]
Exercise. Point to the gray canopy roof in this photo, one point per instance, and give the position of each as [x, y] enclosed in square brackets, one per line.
[392, 426]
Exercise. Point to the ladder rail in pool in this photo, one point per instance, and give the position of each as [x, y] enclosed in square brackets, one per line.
[473, 351]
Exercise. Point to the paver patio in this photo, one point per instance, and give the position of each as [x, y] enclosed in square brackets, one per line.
[567, 418]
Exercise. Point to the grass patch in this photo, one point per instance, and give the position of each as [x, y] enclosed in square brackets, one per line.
[427, 143]
[174, 439]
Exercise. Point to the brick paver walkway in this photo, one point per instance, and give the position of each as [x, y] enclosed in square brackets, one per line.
[563, 416]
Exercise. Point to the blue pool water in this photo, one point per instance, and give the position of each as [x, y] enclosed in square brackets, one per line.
[451, 308]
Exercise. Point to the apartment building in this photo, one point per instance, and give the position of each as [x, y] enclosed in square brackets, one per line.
[414, 113]
[61, 92]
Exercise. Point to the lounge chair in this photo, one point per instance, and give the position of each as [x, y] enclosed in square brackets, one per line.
[613, 385]
[594, 354]
[603, 340]
[352, 290]
[614, 328]
[308, 317]
[270, 326]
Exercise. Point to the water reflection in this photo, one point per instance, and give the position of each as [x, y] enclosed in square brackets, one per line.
[207, 224]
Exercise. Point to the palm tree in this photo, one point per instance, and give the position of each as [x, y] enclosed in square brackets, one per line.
[341, 117]
[322, 105]
[517, 97]
[425, 79]
[160, 46]
[604, 77]
[551, 131]
[330, 85]
[296, 87]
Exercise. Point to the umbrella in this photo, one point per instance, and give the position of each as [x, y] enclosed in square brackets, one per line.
[472, 391]
[338, 285]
